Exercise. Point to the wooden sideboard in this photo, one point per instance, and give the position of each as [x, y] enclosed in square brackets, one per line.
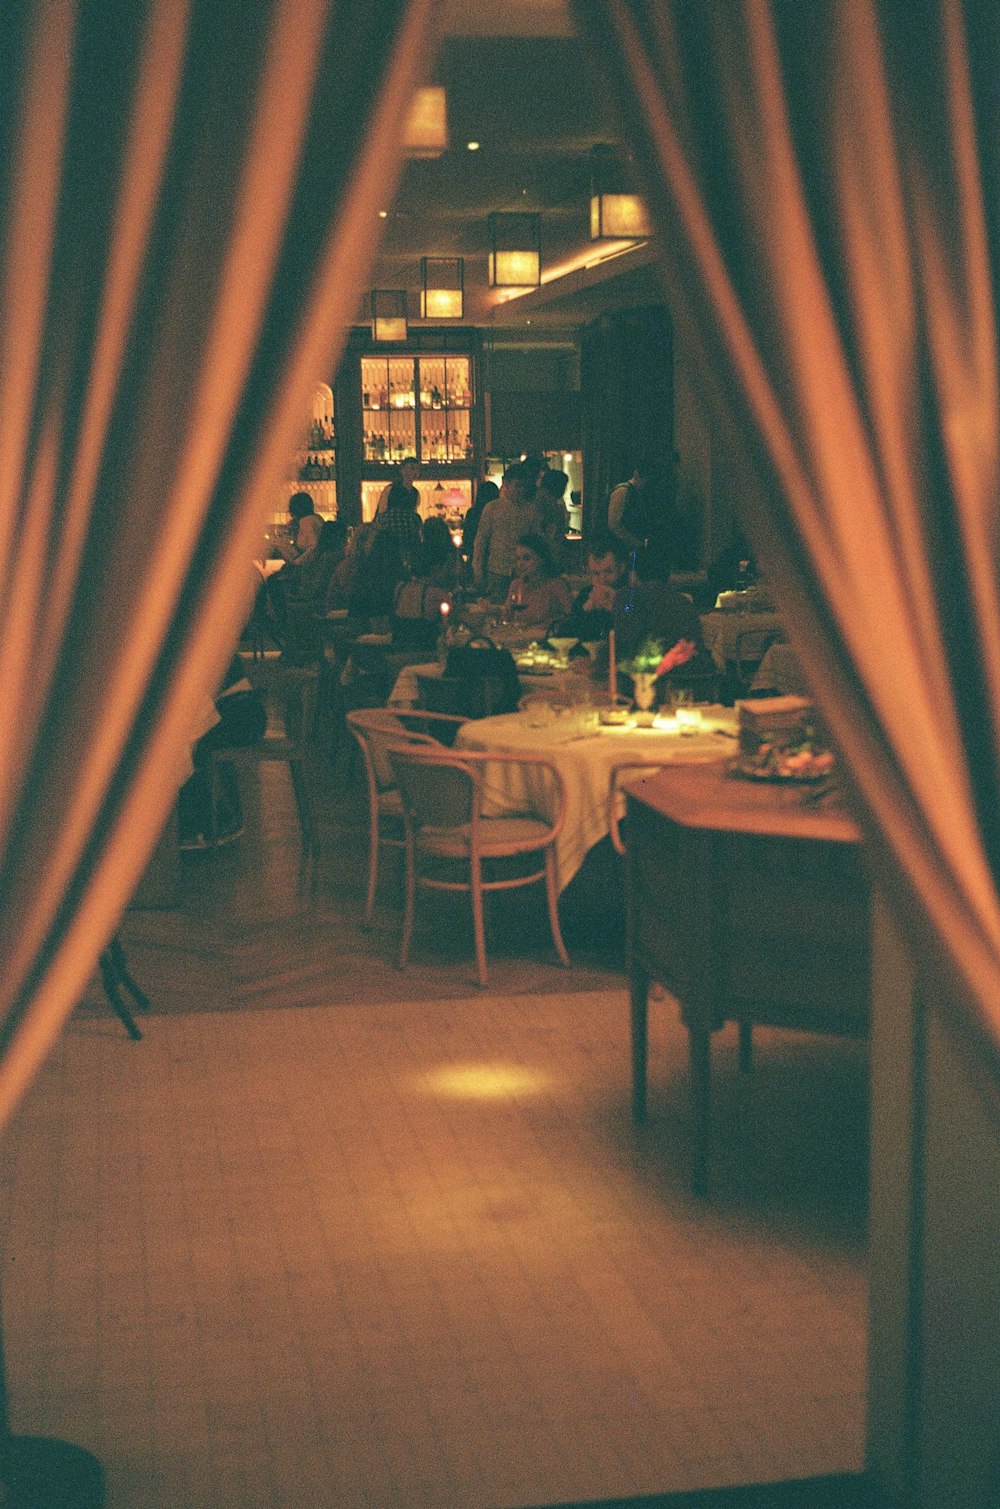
[748, 905]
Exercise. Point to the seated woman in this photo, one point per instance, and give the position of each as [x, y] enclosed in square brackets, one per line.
[304, 529]
[416, 615]
[242, 721]
[298, 551]
[537, 597]
[380, 571]
[306, 592]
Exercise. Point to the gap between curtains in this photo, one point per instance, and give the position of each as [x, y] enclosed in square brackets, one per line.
[824, 184]
[189, 193]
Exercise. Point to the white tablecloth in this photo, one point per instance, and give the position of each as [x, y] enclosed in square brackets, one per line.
[585, 764]
[721, 631]
[406, 688]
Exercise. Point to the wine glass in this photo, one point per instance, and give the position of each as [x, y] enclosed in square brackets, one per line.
[562, 647]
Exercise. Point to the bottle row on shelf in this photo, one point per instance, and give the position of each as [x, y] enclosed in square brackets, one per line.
[406, 398]
[322, 435]
[317, 468]
[435, 445]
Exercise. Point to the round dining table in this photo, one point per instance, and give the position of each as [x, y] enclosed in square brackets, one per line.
[585, 757]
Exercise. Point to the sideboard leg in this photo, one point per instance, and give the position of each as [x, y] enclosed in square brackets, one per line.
[639, 985]
[701, 1091]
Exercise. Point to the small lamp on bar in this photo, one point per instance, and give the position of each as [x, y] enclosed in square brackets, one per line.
[515, 250]
[426, 131]
[389, 314]
[616, 214]
[442, 288]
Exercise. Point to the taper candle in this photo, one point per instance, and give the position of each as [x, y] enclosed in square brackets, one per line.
[612, 668]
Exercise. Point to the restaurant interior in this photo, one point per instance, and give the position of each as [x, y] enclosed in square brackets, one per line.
[563, 1080]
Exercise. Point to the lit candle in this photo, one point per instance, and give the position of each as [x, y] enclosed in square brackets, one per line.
[445, 608]
[612, 668]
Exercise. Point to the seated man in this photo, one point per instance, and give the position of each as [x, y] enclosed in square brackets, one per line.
[650, 608]
[592, 612]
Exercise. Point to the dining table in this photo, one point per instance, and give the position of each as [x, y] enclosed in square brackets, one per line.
[728, 633]
[585, 752]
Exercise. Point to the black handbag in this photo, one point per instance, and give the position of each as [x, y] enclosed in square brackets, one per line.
[481, 660]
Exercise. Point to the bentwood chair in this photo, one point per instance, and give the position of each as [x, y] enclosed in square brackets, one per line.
[290, 695]
[375, 729]
[449, 841]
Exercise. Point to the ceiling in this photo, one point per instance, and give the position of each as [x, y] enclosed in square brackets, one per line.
[531, 103]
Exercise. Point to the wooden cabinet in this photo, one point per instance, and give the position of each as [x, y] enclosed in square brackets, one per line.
[749, 907]
[421, 400]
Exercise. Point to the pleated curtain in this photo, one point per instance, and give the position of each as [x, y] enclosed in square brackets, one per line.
[825, 184]
[189, 196]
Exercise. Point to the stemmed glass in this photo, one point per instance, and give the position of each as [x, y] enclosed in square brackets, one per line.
[562, 647]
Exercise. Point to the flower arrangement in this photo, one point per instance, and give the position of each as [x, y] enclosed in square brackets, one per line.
[651, 659]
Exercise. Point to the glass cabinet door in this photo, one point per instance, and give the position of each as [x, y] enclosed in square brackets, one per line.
[445, 407]
[388, 404]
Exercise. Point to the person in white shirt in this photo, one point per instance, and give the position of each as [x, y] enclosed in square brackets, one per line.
[503, 521]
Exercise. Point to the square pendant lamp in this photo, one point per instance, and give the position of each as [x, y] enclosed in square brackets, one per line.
[442, 288]
[389, 314]
[515, 250]
[426, 131]
[616, 214]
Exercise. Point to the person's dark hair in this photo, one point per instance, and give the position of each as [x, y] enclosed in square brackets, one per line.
[436, 546]
[520, 472]
[539, 546]
[649, 467]
[601, 545]
[534, 466]
[486, 492]
[653, 563]
[554, 483]
[300, 505]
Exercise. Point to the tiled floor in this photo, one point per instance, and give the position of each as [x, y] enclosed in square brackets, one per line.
[402, 1252]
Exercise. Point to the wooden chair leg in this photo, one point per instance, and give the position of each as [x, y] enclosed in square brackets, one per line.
[373, 848]
[404, 942]
[476, 891]
[303, 806]
[552, 896]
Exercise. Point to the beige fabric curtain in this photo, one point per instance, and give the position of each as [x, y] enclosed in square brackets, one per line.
[824, 180]
[189, 195]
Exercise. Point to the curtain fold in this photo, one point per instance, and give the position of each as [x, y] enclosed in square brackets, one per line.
[824, 182]
[189, 194]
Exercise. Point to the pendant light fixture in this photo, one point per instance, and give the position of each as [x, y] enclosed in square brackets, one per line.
[616, 214]
[442, 288]
[389, 314]
[515, 250]
[426, 131]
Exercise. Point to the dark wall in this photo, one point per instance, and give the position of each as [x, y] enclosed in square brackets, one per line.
[627, 389]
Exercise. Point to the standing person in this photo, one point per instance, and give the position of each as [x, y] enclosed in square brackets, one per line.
[642, 511]
[401, 517]
[485, 493]
[405, 478]
[550, 499]
[503, 521]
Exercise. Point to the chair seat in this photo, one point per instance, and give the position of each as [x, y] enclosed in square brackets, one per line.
[497, 836]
